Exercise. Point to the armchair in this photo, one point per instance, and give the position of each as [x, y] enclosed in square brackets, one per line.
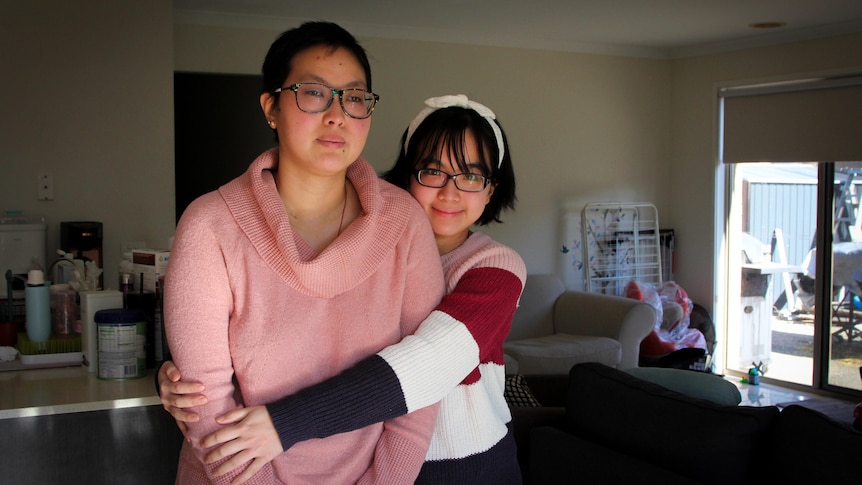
[555, 328]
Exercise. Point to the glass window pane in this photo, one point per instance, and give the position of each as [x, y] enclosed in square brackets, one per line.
[776, 219]
[845, 335]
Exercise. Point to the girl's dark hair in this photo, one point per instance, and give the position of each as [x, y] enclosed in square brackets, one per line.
[279, 58]
[444, 131]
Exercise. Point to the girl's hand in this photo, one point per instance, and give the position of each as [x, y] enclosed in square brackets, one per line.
[252, 436]
[176, 395]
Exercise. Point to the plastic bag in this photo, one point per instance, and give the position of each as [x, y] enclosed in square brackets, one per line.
[673, 312]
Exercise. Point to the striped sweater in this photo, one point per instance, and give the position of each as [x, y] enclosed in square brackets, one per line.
[455, 357]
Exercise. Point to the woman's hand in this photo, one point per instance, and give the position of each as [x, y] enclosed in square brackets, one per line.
[176, 395]
[250, 436]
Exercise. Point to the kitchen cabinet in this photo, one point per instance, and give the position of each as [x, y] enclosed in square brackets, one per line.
[68, 426]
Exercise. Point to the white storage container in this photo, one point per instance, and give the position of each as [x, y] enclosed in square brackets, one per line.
[21, 242]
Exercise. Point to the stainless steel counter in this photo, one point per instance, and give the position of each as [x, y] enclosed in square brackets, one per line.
[65, 425]
[40, 392]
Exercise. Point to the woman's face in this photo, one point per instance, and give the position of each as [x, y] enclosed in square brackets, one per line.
[321, 142]
[451, 211]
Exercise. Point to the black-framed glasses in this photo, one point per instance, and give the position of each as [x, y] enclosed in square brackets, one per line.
[316, 98]
[465, 182]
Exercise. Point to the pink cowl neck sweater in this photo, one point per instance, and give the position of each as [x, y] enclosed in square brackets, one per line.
[253, 314]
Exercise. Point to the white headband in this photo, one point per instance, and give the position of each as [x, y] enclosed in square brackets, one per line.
[460, 100]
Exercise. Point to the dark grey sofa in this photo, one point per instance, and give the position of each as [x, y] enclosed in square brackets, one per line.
[621, 429]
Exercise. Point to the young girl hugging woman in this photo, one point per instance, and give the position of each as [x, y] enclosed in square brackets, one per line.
[454, 160]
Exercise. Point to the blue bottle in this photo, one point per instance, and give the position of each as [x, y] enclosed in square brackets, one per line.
[37, 298]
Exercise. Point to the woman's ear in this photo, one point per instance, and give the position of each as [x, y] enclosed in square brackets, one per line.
[267, 104]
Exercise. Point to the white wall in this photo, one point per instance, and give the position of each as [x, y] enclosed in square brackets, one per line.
[87, 95]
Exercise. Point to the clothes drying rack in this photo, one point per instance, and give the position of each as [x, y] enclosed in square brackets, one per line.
[621, 242]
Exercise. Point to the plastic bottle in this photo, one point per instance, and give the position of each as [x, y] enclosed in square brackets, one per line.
[37, 300]
[64, 310]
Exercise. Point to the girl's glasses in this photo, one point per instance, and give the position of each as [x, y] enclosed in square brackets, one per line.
[466, 182]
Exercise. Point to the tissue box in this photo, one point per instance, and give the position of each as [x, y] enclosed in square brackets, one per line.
[152, 263]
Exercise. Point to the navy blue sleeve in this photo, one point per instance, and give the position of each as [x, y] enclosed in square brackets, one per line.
[367, 393]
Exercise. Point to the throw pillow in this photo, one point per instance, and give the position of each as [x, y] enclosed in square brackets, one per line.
[518, 394]
[693, 384]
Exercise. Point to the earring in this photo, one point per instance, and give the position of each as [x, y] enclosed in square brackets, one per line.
[271, 124]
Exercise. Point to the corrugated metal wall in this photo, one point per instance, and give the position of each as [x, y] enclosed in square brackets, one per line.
[792, 207]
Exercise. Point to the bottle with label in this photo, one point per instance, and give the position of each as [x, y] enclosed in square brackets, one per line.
[37, 301]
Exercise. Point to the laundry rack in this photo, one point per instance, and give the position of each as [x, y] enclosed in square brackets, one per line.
[621, 242]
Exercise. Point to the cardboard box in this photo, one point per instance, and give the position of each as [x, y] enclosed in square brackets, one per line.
[152, 263]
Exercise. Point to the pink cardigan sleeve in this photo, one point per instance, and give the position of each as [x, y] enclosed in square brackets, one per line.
[198, 305]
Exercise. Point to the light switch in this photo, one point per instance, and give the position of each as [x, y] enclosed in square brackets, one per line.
[46, 186]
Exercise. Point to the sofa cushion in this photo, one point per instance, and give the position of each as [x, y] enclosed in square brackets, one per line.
[557, 457]
[535, 313]
[693, 384]
[557, 353]
[694, 437]
[510, 364]
[808, 447]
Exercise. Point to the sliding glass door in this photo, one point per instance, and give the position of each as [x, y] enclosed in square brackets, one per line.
[791, 308]
[841, 342]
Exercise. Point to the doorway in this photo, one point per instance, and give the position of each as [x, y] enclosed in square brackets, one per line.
[219, 130]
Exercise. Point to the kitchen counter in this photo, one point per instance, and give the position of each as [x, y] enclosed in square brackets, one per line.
[65, 425]
[40, 392]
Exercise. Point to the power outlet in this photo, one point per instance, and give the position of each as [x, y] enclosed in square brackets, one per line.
[45, 189]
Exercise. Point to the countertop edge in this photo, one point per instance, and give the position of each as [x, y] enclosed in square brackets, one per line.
[79, 407]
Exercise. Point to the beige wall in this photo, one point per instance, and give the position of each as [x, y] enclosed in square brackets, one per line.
[581, 127]
[86, 94]
[693, 166]
[91, 101]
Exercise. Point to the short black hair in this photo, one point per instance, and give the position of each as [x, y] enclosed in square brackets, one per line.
[279, 59]
[444, 130]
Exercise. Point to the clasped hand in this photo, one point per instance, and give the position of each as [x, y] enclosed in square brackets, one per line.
[248, 435]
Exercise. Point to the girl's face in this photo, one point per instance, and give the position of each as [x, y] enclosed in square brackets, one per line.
[321, 142]
[451, 211]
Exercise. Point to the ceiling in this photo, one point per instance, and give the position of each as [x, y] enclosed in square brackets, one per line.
[642, 28]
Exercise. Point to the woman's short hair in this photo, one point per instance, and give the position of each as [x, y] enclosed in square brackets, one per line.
[279, 59]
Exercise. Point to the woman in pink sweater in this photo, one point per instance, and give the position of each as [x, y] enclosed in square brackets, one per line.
[455, 162]
[300, 268]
